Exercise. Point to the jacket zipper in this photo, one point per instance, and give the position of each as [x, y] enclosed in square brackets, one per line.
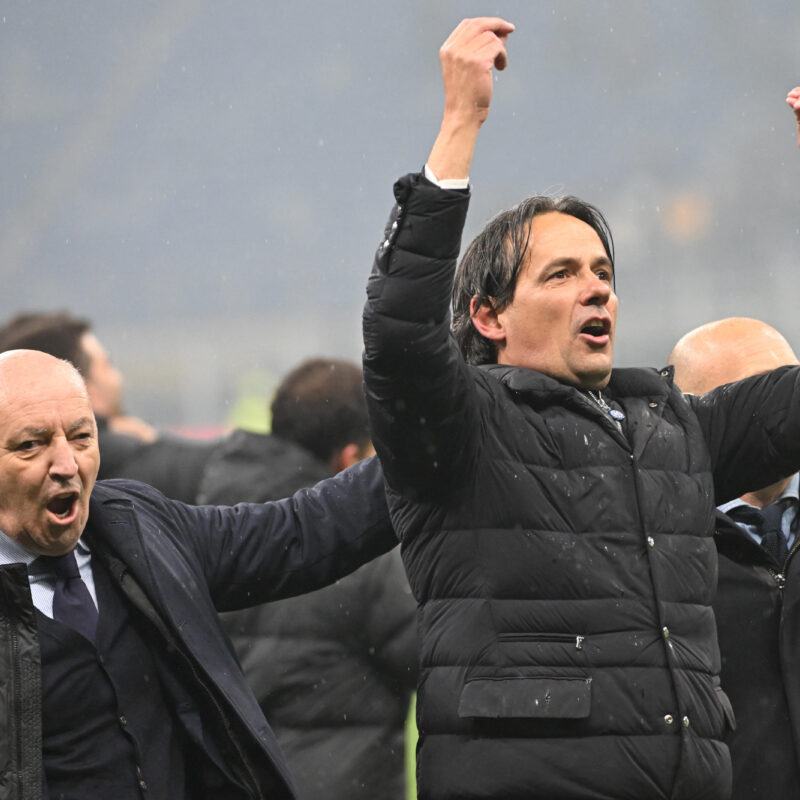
[780, 577]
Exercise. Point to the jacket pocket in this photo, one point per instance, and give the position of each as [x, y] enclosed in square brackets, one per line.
[574, 639]
[525, 698]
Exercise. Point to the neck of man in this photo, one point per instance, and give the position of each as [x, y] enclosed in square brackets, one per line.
[767, 495]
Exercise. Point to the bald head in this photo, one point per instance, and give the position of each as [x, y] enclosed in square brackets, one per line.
[726, 351]
[23, 368]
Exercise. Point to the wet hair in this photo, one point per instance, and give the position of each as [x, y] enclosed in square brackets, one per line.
[57, 333]
[320, 406]
[494, 259]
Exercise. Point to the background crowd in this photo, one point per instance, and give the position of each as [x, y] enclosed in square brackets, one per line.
[175, 171]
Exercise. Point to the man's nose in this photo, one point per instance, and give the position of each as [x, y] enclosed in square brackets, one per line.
[63, 464]
[596, 291]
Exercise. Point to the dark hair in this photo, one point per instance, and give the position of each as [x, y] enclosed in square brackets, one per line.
[491, 265]
[57, 333]
[320, 405]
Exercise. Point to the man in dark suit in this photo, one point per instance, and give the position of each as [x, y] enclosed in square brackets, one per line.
[758, 593]
[116, 679]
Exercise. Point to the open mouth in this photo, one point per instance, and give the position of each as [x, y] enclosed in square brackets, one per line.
[63, 506]
[597, 329]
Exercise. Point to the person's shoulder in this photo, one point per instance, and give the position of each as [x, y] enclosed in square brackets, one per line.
[123, 489]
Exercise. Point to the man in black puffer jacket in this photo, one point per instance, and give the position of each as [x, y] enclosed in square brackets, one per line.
[556, 517]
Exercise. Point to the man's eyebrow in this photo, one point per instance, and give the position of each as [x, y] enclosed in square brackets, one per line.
[15, 438]
[82, 422]
[605, 261]
[29, 432]
[568, 261]
[33, 433]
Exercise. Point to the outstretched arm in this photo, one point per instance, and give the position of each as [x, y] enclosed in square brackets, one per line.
[467, 58]
[793, 99]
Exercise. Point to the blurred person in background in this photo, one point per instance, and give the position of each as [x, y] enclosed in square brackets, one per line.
[556, 513]
[130, 448]
[333, 670]
[757, 605]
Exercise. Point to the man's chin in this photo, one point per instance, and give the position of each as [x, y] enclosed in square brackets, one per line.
[596, 379]
[56, 541]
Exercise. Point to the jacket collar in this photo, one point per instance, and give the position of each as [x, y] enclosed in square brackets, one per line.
[629, 386]
[113, 528]
[625, 382]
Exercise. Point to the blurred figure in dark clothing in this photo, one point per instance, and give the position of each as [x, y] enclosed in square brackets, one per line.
[129, 447]
[758, 592]
[334, 670]
[319, 427]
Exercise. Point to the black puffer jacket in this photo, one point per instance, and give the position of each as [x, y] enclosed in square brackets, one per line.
[333, 670]
[757, 608]
[565, 571]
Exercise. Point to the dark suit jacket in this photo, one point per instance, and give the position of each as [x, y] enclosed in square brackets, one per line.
[178, 565]
[757, 607]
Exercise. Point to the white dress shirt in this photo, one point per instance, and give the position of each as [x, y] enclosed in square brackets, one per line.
[43, 583]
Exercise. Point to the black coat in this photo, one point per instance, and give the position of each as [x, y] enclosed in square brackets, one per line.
[179, 565]
[565, 571]
[332, 670]
[757, 607]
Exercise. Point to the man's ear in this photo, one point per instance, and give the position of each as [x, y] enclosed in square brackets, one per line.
[350, 454]
[484, 318]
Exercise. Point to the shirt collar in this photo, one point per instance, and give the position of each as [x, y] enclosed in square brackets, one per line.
[12, 552]
[792, 492]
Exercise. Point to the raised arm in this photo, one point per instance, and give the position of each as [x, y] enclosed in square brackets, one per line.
[420, 394]
[793, 99]
[467, 58]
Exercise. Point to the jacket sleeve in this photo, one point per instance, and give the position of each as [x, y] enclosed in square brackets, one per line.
[253, 553]
[752, 429]
[420, 394]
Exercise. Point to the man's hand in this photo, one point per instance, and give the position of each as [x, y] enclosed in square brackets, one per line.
[467, 57]
[793, 99]
[471, 52]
